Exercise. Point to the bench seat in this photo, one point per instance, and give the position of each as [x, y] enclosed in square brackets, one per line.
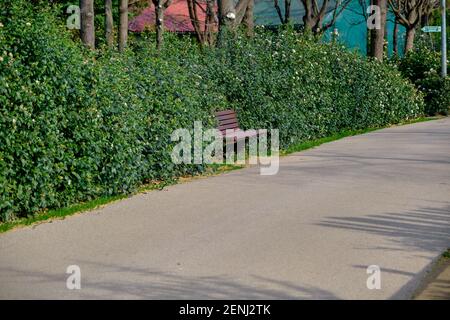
[229, 126]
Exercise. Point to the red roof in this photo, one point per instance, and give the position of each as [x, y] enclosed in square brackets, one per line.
[176, 18]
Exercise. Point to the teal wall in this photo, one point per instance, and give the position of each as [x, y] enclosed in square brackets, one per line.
[353, 32]
[351, 24]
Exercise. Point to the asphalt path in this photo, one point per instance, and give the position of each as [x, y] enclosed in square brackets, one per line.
[308, 232]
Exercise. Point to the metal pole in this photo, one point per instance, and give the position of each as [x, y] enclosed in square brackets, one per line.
[444, 40]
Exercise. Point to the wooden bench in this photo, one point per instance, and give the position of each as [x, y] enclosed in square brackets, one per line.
[229, 126]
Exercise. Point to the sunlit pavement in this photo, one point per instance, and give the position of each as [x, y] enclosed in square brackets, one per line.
[310, 231]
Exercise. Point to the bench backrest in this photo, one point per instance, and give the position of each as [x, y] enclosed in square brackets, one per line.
[227, 119]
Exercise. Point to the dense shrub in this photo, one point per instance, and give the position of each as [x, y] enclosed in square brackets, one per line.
[422, 66]
[75, 125]
[306, 89]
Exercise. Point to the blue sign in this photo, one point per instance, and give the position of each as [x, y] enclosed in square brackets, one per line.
[431, 29]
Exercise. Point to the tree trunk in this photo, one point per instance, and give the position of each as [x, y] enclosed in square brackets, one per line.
[395, 38]
[210, 22]
[368, 31]
[314, 15]
[123, 24]
[409, 41]
[109, 23]
[377, 35]
[227, 15]
[386, 37]
[193, 15]
[278, 9]
[160, 7]
[308, 24]
[248, 18]
[205, 36]
[231, 15]
[308, 21]
[159, 15]
[287, 11]
[87, 23]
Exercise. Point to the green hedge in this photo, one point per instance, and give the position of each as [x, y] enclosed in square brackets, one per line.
[306, 89]
[423, 67]
[76, 125]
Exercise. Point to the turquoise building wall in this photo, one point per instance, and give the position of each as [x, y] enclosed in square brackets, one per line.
[351, 24]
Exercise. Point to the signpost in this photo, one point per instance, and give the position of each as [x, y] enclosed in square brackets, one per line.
[443, 30]
[444, 40]
[432, 29]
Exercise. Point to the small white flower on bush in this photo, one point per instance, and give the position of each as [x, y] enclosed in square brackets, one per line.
[231, 15]
[1, 25]
[28, 24]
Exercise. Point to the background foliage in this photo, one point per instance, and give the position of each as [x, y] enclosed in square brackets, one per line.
[76, 125]
[423, 67]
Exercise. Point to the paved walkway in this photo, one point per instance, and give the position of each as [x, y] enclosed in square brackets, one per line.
[309, 232]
